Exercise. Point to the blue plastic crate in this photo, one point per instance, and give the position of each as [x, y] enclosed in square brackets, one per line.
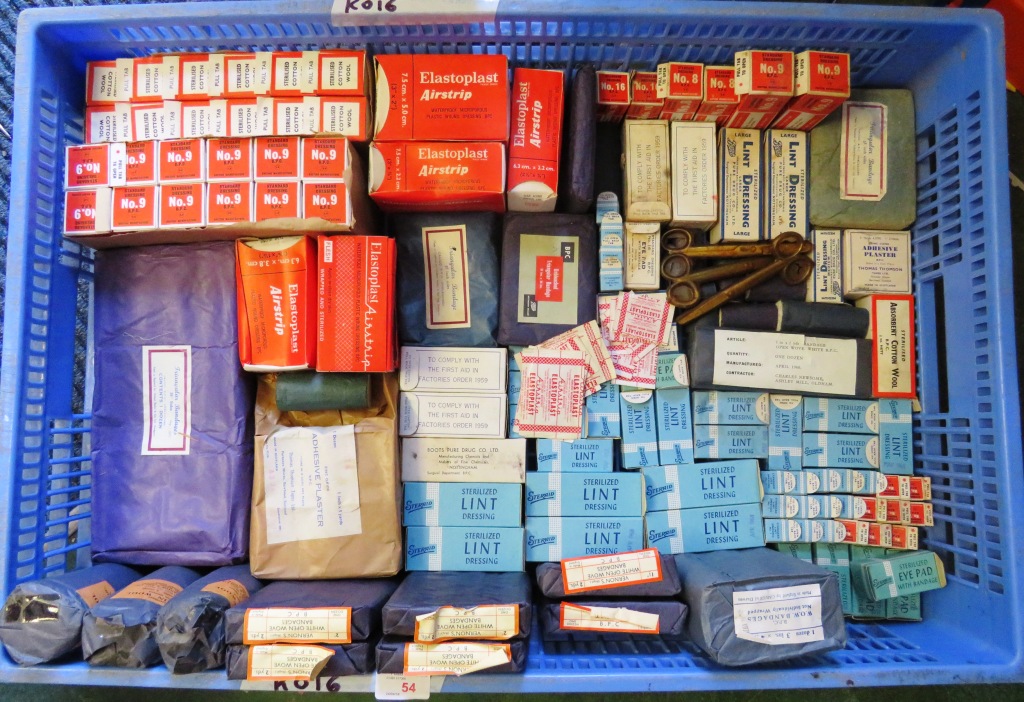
[968, 436]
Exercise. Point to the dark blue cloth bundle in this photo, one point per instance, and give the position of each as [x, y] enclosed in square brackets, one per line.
[356, 658]
[551, 584]
[671, 617]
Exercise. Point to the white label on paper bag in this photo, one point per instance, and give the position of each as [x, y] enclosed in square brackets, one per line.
[287, 662]
[456, 658]
[785, 362]
[166, 400]
[282, 624]
[780, 615]
[312, 484]
[401, 687]
[607, 619]
[446, 276]
[862, 174]
[412, 12]
[496, 622]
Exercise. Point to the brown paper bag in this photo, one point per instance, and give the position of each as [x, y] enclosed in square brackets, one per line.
[377, 551]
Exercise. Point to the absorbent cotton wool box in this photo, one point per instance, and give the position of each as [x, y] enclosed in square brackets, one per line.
[891, 330]
[639, 430]
[785, 183]
[785, 425]
[826, 283]
[705, 529]
[584, 494]
[739, 190]
[581, 456]
[556, 538]
[602, 415]
[730, 407]
[840, 415]
[784, 482]
[478, 548]
[694, 165]
[675, 426]
[463, 504]
[702, 485]
[895, 437]
[840, 451]
[464, 460]
[876, 262]
[724, 441]
[442, 369]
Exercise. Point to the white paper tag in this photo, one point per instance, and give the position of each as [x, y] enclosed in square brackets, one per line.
[862, 153]
[495, 622]
[373, 12]
[166, 400]
[785, 362]
[616, 570]
[282, 624]
[401, 687]
[311, 483]
[455, 658]
[779, 616]
[446, 277]
[287, 662]
[607, 619]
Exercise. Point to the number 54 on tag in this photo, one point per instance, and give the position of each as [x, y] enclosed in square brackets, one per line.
[401, 687]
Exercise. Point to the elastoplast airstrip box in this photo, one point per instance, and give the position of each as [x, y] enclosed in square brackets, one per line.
[533, 150]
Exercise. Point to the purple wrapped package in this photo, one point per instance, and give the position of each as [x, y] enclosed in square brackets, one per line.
[172, 427]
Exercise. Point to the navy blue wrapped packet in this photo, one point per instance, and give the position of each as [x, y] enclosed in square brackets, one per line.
[577, 173]
[120, 630]
[671, 615]
[172, 424]
[357, 658]
[365, 596]
[42, 619]
[424, 592]
[190, 628]
[391, 656]
[551, 584]
[816, 318]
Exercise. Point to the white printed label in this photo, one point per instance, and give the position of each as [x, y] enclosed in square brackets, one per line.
[287, 662]
[785, 362]
[446, 276]
[611, 619]
[862, 154]
[312, 484]
[166, 400]
[412, 12]
[281, 624]
[497, 622]
[454, 658]
[616, 570]
[780, 615]
[400, 687]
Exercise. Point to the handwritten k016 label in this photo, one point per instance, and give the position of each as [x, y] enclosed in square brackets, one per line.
[287, 662]
[616, 570]
[281, 624]
[493, 622]
[454, 658]
[574, 617]
[411, 12]
[780, 615]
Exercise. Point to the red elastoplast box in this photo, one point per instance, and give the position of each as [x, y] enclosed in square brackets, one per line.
[277, 158]
[204, 118]
[108, 82]
[342, 72]
[613, 96]
[645, 103]
[277, 199]
[720, 99]
[229, 159]
[345, 116]
[295, 73]
[135, 207]
[277, 286]
[326, 200]
[155, 78]
[534, 147]
[247, 75]
[822, 85]
[428, 176]
[445, 97]
[143, 163]
[681, 86]
[109, 124]
[94, 166]
[356, 302]
[230, 202]
[87, 211]
[182, 205]
[182, 161]
[324, 158]
[764, 85]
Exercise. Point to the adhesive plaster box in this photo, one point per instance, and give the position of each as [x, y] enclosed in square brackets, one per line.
[785, 426]
[603, 419]
[454, 415]
[724, 441]
[463, 504]
[646, 171]
[329, 201]
[342, 72]
[230, 202]
[87, 211]
[702, 485]
[730, 407]
[764, 85]
[694, 169]
[784, 482]
[639, 429]
[277, 200]
[822, 85]
[895, 437]
[720, 99]
[613, 96]
[674, 426]
[705, 529]
[580, 456]
[324, 158]
[584, 494]
[438, 176]
[436, 369]
[442, 97]
[183, 205]
[786, 160]
[533, 149]
[826, 283]
[345, 116]
[247, 74]
[294, 73]
[555, 538]
[94, 166]
[204, 118]
[135, 207]
[464, 460]
[182, 161]
[277, 158]
[229, 159]
[142, 163]
[477, 548]
[109, 124]
[891, 329]
[840, 451]
[739, 191]
[108, 82]
[642, 250]
[681, 86]
[876, 262]
[644, 102]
